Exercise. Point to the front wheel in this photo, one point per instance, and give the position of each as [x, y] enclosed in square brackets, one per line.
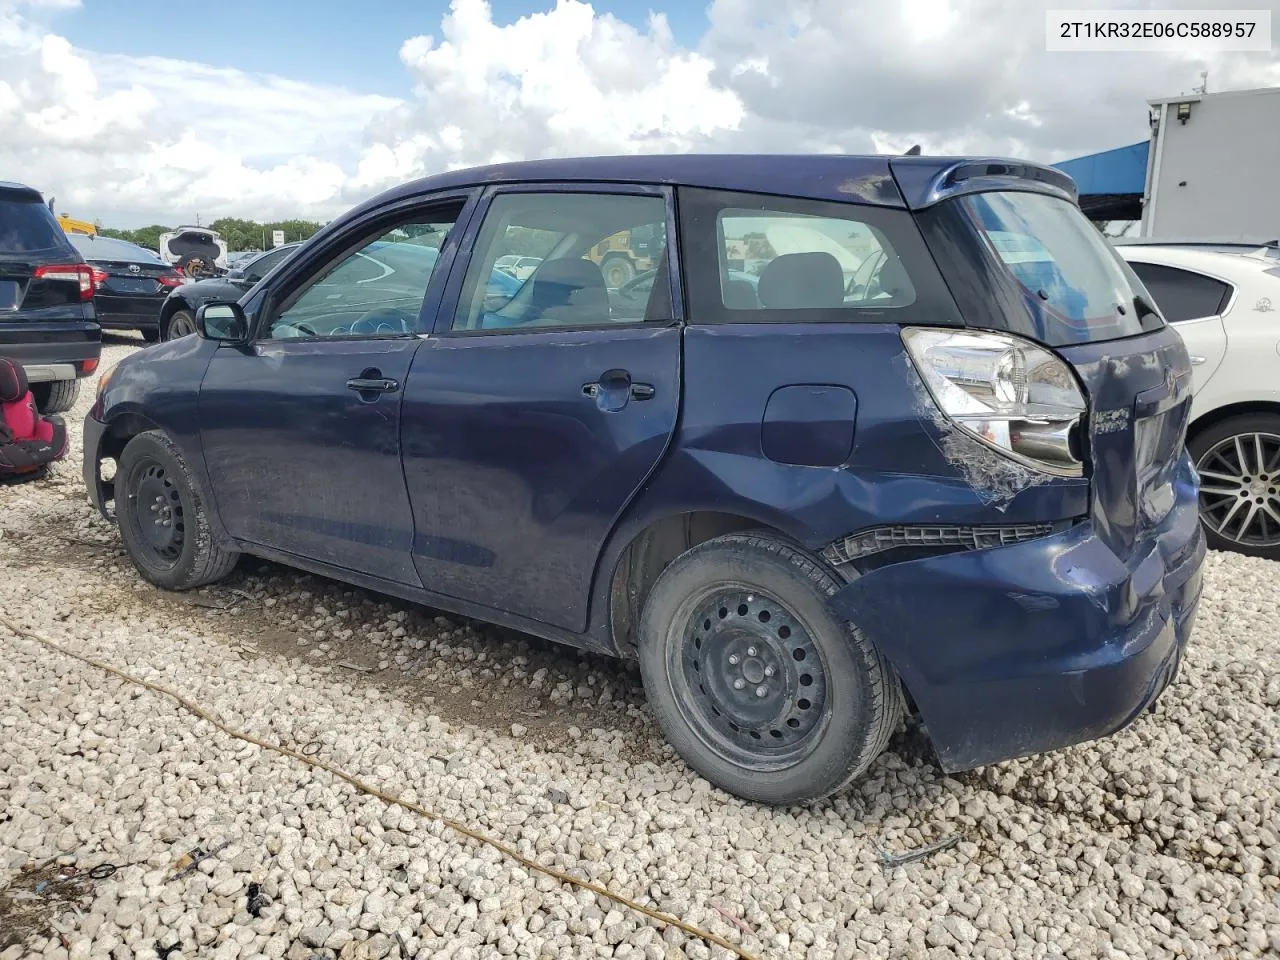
[1238, 461]
[163, 520]
[755, 683]
[181, 324]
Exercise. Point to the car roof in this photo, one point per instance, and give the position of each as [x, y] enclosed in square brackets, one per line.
[11, 190]
[881, 180]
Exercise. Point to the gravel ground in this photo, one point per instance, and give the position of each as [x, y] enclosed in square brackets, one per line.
[1162, 841]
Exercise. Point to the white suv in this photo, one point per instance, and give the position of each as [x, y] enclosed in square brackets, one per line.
[1226, 306]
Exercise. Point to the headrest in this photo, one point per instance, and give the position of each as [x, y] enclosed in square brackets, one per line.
[569, 291]
[796, 281]
[13, 381]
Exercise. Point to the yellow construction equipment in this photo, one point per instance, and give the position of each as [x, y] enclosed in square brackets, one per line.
[71, 225]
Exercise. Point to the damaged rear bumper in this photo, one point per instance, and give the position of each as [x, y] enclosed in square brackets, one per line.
[1022, 649]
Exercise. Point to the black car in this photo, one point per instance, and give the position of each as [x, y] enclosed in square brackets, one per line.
[130, 283]
[47, 320]
[177, 316]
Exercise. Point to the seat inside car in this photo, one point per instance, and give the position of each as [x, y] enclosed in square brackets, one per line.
[567, 292]
[797, 281]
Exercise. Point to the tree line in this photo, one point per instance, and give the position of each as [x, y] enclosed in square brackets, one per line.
[239, 234]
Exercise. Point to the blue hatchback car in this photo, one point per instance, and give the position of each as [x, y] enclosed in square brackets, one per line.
[929, 457]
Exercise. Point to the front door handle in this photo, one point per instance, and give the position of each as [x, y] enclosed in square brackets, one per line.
[637, 391]
[373, 385]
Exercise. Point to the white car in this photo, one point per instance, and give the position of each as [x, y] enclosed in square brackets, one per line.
[1226, 306]
[519, 267]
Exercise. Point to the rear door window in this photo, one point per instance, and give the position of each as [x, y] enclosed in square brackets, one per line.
[1183, 295]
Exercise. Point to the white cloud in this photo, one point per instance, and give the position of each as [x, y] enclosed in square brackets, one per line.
[157, 138]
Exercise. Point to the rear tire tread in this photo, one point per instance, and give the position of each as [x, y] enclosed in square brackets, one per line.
[55, 396]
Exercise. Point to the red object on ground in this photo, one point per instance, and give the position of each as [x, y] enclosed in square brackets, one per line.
[29, 442]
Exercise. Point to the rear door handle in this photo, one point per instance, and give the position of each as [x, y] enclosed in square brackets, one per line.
[1196, 361]
[373, 385]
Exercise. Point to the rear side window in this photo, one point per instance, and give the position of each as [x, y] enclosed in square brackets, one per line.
[1183, 295]
[755, 258]
[29, 229]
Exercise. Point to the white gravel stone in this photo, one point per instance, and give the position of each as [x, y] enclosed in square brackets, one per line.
[1163, 840]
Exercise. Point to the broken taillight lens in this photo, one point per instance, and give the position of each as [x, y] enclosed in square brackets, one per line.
[1010, 393]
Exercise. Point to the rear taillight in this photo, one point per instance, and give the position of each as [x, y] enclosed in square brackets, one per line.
[88, 366]
[80, 273]
[172, 280]
[1010, 393]
[99, 277]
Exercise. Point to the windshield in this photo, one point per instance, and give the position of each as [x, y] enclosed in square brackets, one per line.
[1071, 281]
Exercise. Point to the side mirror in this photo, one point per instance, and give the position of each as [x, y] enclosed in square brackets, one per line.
[222, 321]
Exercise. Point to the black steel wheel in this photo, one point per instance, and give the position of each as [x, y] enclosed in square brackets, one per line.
[162, 518]
[156, 510]
[753, 676]
[1238, 461]
[754, 681]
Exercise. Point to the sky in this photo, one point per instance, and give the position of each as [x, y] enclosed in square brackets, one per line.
[136, 111]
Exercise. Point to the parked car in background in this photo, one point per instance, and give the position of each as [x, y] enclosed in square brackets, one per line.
[194, 250]
[519, 267]
[1226, 307]
[130, 283]
[963, 486]
[47, 321]
[177, 315]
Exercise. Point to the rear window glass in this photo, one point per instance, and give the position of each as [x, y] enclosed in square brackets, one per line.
[780, 260]
[1075, 285]
[105, 248]
[29, 229]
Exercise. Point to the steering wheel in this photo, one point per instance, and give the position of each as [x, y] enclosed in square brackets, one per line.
[382, 320]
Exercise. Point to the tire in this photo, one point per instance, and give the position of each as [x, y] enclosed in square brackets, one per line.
[618, 271]
[55, 396]
[830, 701]
[151, 336]
[180, 554]
[181, 323]
[1239, 503]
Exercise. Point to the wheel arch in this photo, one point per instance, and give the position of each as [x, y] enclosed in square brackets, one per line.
[647, 551]
[1217, 415]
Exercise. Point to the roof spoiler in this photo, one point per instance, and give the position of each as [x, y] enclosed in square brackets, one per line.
[925, 181]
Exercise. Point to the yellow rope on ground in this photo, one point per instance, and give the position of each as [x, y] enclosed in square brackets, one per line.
[368, 788]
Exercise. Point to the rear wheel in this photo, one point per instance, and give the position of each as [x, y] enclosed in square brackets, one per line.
[149, 335]
[55, 396]
[1239, 465]
[181, 324]
[753, 680]
[163, 520]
